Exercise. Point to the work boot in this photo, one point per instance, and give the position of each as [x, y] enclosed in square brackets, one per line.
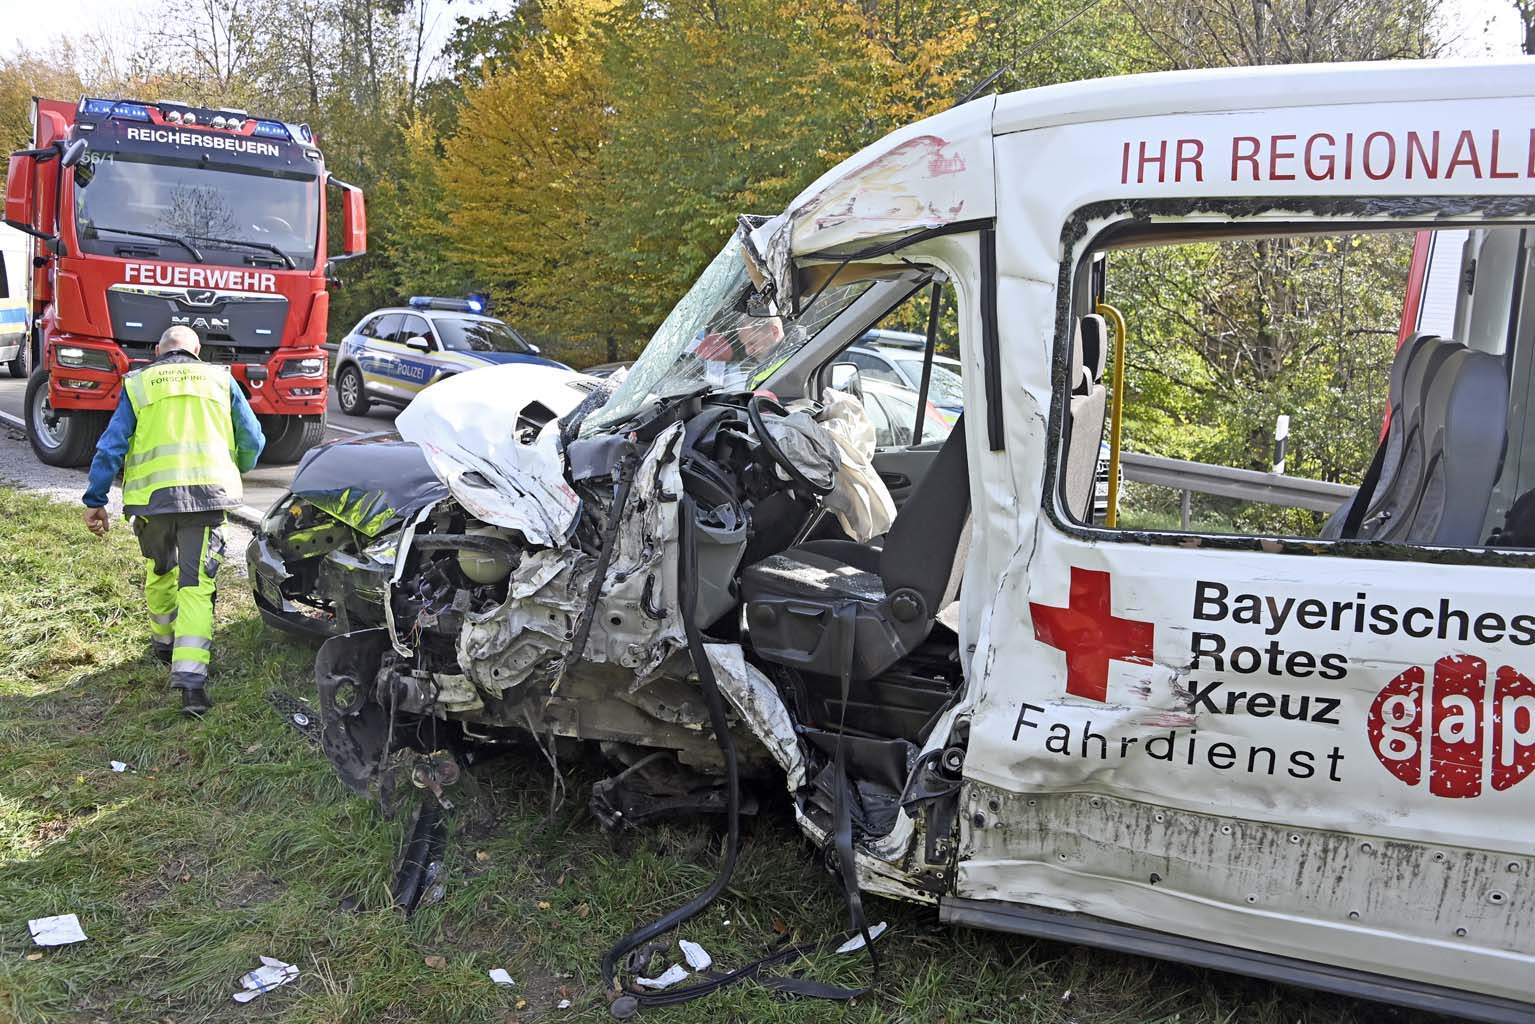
[195, 701]
[160, 652]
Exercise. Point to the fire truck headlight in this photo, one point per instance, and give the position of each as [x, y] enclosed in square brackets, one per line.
[218, 121]
[174, 117]
[89, 358]
[308, 367]
[189, 118]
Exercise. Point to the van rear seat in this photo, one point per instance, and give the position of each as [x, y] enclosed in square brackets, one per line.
[1395, 492]
[1465, 431]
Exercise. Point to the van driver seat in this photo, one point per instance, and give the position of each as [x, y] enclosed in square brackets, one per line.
[835, 607]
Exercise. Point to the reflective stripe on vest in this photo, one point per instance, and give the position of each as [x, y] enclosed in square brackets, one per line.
[184, 438]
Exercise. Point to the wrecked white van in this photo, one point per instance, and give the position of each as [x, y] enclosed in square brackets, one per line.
[1293, 751]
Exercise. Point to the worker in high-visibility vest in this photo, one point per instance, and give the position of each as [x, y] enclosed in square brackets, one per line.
[182, 435]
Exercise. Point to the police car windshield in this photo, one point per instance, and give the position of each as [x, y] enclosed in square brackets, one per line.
[460, 335]
[946, 386]
[236, 218]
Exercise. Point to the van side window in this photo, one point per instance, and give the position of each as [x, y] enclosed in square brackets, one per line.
[1337, 384]
[889, 358]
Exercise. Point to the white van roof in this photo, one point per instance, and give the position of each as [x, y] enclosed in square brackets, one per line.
[1260, 88]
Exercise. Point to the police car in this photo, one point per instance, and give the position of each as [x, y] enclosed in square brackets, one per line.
[393, 353]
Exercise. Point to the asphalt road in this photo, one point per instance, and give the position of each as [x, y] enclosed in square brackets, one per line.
[263, 485]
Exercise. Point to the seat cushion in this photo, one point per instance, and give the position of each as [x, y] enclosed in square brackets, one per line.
[860, 556]
[800, 572]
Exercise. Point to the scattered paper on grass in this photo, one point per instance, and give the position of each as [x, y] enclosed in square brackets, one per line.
[563, 1004]
[56, 931]
[269, 975]
[697, 957]
[856, 942]
[118, 766]
[34, 956]
[500, 977]
[668, 978]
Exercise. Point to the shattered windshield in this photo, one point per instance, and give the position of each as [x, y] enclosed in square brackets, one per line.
[709, 340]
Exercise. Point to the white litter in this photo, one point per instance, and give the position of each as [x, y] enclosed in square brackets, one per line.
[56, 931]
[856, 942]
[667, 979]
[119, 766]
[697, 957]
[269, 975]
[564, 1004]
[500, 977]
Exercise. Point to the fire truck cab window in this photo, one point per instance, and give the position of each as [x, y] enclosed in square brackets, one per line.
[1357, 384]
[233, 218]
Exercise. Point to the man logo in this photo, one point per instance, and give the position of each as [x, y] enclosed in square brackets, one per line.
[201, 296]
[1462, 724]
[202, 323]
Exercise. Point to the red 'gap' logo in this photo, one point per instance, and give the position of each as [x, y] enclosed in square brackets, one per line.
[1462, 731]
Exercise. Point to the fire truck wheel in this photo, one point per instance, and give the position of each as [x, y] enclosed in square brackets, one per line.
[349, 393]
[289, 437]
[59, 439]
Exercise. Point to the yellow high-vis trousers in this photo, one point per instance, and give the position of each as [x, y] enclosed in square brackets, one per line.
[182, 552]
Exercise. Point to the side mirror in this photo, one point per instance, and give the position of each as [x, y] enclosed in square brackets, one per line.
[73, 153]
[20, 191]
[534, 349]
[845, 377]
[354, 221]
[418, 343]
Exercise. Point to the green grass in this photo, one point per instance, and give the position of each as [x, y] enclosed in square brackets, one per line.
[231, 839]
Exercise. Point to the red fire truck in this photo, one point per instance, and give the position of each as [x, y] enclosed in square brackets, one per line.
[148, 215]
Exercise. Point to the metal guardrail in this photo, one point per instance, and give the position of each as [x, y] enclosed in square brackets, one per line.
[1226, 482]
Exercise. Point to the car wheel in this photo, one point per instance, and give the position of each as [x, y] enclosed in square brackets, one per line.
[349, 393]
[18, 366]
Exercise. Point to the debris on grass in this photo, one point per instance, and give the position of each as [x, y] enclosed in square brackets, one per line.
[697, 957]
[563, 1004]
[60, 930]
[34, 956]
[119, 766]
[269, 975]
[500, 977]
[856, 942]
[437, 963]
[668, 978]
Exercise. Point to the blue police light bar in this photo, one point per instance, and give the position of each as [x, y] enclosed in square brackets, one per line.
[271, 130]
[97, 108]
[453, 305]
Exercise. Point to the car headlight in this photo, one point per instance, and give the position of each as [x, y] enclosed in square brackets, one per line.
[309, 366]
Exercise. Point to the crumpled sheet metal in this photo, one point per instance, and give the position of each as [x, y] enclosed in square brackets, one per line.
[935, 172]
[636, 623]
[755, 699]
[465, 426]
[859, 498]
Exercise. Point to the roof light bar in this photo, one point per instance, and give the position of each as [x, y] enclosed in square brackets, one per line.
[452, 305]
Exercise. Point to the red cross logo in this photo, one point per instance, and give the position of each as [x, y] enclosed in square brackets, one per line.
[1091, 634]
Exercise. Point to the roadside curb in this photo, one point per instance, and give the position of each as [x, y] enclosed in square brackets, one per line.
[248, 517]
